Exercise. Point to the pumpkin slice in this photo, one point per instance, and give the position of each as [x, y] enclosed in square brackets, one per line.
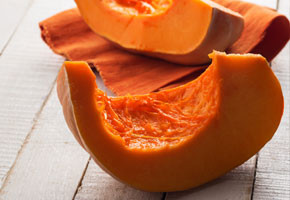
[177, 138]
[180, 31]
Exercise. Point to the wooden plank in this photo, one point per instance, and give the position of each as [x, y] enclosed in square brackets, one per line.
[11, 13]
[97, 184]
[28, 69]
[273, 169]
[235, 185]
[51, 163]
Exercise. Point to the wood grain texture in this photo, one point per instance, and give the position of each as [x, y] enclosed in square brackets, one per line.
[235, 185]
[11, 13]
[51, 163]
[273, 169]
[28, 69]
[97, 184]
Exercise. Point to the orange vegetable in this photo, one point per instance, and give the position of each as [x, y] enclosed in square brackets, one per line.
[177, 138]
[180, 31]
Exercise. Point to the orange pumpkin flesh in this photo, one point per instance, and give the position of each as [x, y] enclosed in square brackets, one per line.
[180, 31]
[178, 138]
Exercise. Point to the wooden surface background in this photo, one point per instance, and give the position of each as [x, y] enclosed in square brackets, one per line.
[40, 159]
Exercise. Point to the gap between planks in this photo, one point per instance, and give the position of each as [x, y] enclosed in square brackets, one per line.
[255, 173]
[81, 179]
[97, 184]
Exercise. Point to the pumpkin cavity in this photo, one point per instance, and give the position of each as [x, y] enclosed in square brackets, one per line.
[159, 119]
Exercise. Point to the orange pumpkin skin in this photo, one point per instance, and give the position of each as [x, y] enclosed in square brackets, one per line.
[179, 31]
[231, 111]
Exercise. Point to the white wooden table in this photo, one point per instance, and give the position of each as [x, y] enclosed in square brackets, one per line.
[40, 159]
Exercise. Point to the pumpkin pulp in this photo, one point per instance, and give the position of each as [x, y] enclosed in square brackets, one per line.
[159, 119]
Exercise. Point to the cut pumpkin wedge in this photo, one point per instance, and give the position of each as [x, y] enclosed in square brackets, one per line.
[179, 138]
[180, 31]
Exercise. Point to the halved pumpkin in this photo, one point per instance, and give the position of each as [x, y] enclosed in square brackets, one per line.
[178, 138]
[180, 31]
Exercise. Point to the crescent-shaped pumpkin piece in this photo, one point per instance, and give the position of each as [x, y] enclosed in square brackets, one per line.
[178, 138]
[180, 31]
